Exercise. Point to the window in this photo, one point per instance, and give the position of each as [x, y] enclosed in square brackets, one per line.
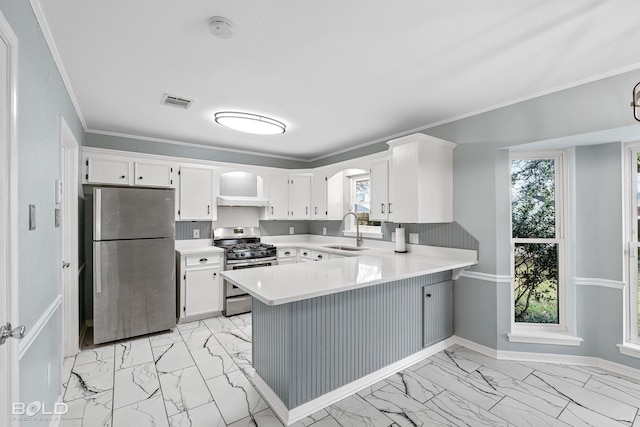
[360, 203]
[537, 241]
[634, 247]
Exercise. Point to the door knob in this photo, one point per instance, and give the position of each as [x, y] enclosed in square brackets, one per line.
[65, 264]
[7, 332]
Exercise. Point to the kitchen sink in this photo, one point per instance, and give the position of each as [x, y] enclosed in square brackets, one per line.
[346, 248]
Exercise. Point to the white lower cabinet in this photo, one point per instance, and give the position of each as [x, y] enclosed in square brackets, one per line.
[287, 256]
[319, 256]
[199, 286]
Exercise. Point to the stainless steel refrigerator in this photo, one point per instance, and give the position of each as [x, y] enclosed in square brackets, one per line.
[134, 290]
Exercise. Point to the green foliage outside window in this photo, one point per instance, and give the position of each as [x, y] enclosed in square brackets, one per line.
[534, 217]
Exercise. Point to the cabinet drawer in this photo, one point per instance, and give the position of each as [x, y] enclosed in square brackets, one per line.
[284, 253]
[305, 254]
[319, 256]
[203, 259]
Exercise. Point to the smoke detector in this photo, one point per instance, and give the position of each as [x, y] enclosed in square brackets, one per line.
[221, 27]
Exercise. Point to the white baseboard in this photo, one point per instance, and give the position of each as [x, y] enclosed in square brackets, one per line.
[289, 416]
[564, 359]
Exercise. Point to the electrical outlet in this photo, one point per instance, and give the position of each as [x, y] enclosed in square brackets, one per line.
[413, 238]
[291, 230]
[324, 231]
[196, 233]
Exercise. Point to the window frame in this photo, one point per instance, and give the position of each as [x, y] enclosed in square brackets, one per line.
[546, 333]
[369, 231]
[632, 245]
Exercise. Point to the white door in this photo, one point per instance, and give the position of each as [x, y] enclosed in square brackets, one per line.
[67, 204]
[8, 220]
[196, 193]
[278, 197]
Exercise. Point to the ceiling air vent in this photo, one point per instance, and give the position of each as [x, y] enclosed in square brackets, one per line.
[176, 101]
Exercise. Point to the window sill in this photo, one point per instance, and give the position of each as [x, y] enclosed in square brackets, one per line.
[544, 337]
[367, 234]
[630, 349]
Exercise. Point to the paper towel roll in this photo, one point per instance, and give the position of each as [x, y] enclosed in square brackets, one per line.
[401, 241]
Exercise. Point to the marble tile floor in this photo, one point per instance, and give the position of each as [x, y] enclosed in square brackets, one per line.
[200, 375]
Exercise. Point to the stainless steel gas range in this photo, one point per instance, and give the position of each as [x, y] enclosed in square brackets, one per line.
[243, 249]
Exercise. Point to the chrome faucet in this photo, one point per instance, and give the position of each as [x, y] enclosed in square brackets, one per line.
[358, 236]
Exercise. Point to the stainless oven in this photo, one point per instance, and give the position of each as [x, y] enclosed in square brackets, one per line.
[236, 300]
[243, 249]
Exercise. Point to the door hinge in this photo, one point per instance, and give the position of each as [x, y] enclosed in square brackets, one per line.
[184, 309]
[185, 276]
[178, 211]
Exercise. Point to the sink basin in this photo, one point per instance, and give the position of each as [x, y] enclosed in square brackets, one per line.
[346, 248]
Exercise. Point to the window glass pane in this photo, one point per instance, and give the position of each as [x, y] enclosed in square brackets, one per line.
[533, 211]
[536, 283]
[362, 201]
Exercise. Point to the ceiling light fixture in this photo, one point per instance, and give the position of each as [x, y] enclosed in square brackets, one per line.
[250, 123]
[635, 103]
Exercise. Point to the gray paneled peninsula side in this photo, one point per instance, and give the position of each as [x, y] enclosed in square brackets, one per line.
[323, 330]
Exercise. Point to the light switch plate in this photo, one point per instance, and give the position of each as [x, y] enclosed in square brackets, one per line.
[196, 233]
[56, 217]
[291, 230]
[32, 217]
[413, 238]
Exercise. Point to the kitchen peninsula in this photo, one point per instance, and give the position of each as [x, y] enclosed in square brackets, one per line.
[324, 330]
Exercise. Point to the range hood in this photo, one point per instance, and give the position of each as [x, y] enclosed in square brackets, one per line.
[242, 201]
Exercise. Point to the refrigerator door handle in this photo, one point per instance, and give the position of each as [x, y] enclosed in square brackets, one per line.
[97, 212]
[97, 268]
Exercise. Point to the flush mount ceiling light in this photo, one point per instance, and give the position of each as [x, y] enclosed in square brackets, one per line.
[636, 102]
[250, 123]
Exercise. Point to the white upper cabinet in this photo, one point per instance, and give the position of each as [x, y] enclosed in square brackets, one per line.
[421, 179]
[152, 174]
[289, 196]
[379, 197]
[107, 171]
[278, 196]
[196, 201]
[300, 197]
[111, 169]
[319, 196]
[337, 205]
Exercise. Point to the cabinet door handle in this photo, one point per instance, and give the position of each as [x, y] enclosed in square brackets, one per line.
[208, 209]
[271, 210]
[381, 207]
[287, 253]
[389, 207]
[315, 210]
[203, 260]
[139, 177]
[428, 295]
[215, 274]
[319, 257]
[306, 210]
[122, 177]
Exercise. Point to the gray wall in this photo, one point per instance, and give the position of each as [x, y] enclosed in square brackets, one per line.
[42, 99]
[187, 151]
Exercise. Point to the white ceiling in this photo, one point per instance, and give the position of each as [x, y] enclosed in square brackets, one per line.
[339, 73]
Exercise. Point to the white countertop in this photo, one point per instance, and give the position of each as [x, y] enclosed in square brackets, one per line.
[282, 284]
[196, 246]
